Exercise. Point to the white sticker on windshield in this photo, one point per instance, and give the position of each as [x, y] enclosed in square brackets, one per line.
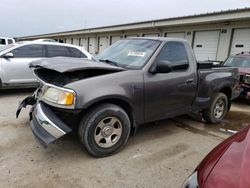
[137, 54]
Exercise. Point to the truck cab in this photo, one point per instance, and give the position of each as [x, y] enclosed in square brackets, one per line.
[6, 41]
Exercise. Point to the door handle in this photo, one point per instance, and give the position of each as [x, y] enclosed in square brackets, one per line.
[190, 81]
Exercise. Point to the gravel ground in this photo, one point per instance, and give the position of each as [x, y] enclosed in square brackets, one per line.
[160, 155]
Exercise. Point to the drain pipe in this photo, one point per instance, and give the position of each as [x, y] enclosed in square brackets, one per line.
[156, 29]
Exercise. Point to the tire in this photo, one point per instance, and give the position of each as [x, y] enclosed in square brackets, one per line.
[213, 115]
[104, 130]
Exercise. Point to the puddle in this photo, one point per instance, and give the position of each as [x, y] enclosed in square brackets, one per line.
[232, 123]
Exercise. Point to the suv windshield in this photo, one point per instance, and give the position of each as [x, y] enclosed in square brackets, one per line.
[133, 53]
[240, 61]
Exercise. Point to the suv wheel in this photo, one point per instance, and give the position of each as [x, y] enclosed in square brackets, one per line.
[104, 130]
[217, 110]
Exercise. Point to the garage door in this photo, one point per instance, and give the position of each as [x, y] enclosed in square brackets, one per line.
[103, 43]
[76, 41]
[84, 43]
[92, 45]
[176, 35]
[206, 45]
[241, 41]
[151, 35]
[115, 39]
[68, 41]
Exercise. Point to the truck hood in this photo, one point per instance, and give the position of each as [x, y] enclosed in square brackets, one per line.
[64, 64]
[61, 71]
[228, 165]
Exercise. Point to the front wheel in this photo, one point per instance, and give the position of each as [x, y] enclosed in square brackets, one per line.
[217, 110]
[104, 130]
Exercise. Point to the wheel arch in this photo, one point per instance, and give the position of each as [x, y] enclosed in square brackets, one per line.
[123, 103]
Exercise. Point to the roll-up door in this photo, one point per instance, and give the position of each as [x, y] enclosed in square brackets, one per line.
[206, 45]
[103, 43]
[241, 41]
[92, 45]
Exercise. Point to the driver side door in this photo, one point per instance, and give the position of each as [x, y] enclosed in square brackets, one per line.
[171, 93]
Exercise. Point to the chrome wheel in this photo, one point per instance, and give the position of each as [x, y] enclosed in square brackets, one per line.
[108, 131]
[219, 109]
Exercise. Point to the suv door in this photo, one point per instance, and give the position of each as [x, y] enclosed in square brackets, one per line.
[170, 94]
[16, 69]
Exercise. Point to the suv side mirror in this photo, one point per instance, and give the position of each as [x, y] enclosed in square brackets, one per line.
[8, 55]
[161, 67]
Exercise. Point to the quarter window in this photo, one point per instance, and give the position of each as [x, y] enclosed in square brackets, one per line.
[29, 51]
[56, 51]
[175, 53]
[76, 53]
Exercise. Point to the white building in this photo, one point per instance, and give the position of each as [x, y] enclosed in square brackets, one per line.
[213, 36]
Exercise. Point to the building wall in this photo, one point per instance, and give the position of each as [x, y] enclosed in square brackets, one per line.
[104, 39]
[211, 33]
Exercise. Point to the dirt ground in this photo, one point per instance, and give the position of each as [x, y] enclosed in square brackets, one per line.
[160, 155]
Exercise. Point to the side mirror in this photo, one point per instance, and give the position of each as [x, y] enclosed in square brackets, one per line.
[161, 67]
[8, 55]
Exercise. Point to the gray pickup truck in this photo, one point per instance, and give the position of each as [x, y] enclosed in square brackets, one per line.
[133, 82]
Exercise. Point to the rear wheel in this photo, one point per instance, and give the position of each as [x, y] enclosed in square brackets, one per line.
[104, 130]
[217, 110]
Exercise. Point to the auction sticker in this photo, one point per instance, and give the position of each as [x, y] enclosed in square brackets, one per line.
[137, 54]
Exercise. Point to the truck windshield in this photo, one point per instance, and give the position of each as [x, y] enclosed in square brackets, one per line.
[243, 62]
[131, 53]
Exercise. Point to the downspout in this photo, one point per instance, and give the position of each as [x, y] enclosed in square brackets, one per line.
[156, 29]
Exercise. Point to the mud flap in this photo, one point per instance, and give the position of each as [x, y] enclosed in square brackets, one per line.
[31, 100]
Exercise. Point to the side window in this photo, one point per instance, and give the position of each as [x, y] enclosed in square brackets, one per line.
[56, 51]
[10, 41]
[29, 51]
[175, 53]
[2, 42]
[76, 53]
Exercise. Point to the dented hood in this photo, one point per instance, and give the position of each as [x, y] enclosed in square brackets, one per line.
[65, 64]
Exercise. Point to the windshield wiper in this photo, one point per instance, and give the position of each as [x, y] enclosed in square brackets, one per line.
[110, 62]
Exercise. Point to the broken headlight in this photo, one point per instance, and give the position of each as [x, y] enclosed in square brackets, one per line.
[59, 96]
[246, 79]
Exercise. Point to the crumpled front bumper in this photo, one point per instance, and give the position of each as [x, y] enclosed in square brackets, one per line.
[245, 91]
[46, 125]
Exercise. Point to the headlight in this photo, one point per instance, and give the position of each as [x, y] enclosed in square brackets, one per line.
[59, 96]
[191, 182]
[246, 79]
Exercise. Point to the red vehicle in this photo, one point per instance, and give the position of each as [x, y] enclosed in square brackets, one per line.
[226, 166]
[242, 61]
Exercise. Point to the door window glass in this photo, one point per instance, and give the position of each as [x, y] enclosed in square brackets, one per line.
[175, 53]
[2, 42]
[29, 51]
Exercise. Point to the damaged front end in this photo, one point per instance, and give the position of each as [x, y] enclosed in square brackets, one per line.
[53, 113]
[45, 123]
[245, 85]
